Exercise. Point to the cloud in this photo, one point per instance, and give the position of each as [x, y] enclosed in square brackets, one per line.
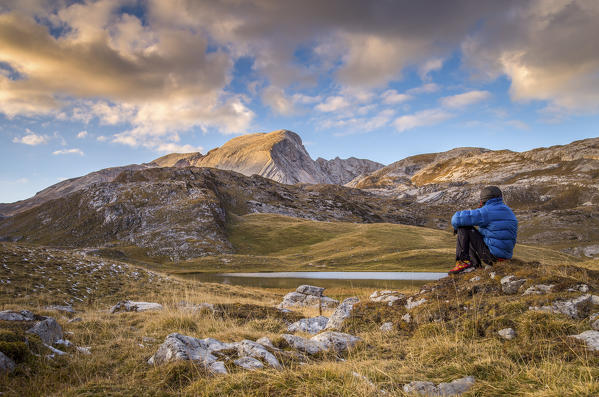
[276, 99]
[174, 148]
[518, 124]
[31, 139]
[465, 99]
[68, 151]
[101, 138]
[392, 97]
[429, 66]
[82, 134]
[424, 89]
[333, 104]
[420, 119]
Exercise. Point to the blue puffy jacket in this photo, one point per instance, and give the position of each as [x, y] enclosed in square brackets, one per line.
[496, 222]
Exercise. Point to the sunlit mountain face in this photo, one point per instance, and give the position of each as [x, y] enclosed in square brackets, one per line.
[96, 84]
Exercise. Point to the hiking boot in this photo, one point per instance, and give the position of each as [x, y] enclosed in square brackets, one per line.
[460, 266]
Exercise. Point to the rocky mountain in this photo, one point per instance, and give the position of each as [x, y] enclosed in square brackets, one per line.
[179, 213]
[278, 155]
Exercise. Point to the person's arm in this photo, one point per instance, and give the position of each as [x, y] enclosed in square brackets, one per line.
[477, 217]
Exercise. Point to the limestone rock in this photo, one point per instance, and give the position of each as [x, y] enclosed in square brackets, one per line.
[579, 288]
[454, 388]
[538, 289]
[410, 304]
[507, 333]
[575, 308]
[130, 306]
[407, 318]
[387, 296]
[510, 285]
[6, 363]
[12, 315]
[302, 344]
[310, 325]
[336, 341]
[310, 290]
[307, 295]
[48, 330]
[342, 312]
[180, 347]
[61, 308]
[595, 325]
[591, 338]
[387, 327]
[75, 320]
[264, 341]
[249, 363]
[256, 350]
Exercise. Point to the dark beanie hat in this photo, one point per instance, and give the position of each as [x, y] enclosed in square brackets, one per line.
[490, 192]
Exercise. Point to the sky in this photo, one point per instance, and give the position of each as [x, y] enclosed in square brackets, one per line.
[86, 85]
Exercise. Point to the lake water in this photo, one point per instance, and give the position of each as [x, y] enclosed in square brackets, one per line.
[290, 280]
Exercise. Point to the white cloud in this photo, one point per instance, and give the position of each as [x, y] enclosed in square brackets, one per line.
[392, 97]
[68, 151]
[31, 139]
[333, 104]
[420, 119]
[465, 99]
[101, 138]
[430, 66]
[424, 89]
[175, 148]
[276, 99]
[82, 134]
[518, 124]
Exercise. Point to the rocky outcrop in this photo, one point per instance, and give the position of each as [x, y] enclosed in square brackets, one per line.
[342, 312]
[48, 330]
[6, 363]
[307, 295]
[342, 171]
[510, 284]
[326, 341]
[386, 296]
[130, 306]
[590, 338]
[576, 308]
[13, 315]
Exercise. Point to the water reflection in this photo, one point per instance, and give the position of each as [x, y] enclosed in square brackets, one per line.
[290, 280]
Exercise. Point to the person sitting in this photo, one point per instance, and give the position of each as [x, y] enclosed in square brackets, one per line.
[496, 235]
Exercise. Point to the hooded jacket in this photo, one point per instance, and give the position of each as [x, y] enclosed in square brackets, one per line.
[496, 222]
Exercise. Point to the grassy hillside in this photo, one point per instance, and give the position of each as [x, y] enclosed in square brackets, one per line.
[268, 242]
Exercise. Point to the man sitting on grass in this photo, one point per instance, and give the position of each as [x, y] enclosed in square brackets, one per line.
[496, 235]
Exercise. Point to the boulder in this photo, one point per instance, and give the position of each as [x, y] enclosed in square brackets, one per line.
[510, 285]
[310, 325]
[180, 347]
[307, 295]
[256, 350]
[249, 363]
[6, 363]
[302, 344]
[454, 388]
[410, 304]
[590, 338]
[130, 306]
[336, 341]
[539, 289]
[387, 296]
[48, 330]
[579, 288]
[342, 312]
[12, 315]
[61, 308]
[264, 341]
[507, 333]
[575, 308]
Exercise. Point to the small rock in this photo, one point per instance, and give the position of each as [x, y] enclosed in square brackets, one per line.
[579, 288]
[130, 306]
[84, 350]
[595, 325]
[595, 300]
[294, 299]
[492, 275]
[387, 296]
[454, 388]
[470, 269]
[342, 312]
[507, 333]
[422, 388]
[591, 338]
[326, 341]
[249, 363]
[593, 316]
[412, 304]
[6, 363]
[407, 318]
[310, 325]
[59, 308]
[510, 285]
[475, 279]
[148, 339]
[48, 330]
[12, 315]
[539, 289]
[574, 308]
[75, 320]
[302, 344]
[256, 350]
[387, 327]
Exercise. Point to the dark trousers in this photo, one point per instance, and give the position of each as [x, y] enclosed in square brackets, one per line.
[471, 247]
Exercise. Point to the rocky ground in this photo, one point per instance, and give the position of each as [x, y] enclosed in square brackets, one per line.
[514, 329]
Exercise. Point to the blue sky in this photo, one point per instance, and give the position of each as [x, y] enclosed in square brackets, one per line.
[93, 84]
